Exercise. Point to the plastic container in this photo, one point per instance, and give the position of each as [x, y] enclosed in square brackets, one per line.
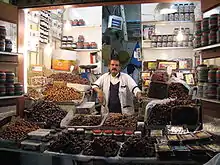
[212, 91]
[140, 126]
[2, 77]
[118, 135]
[181, 152]
[205, 24]
[18, 89]
[2, 44]
[10, 76]
[218, 76]
[97, 133]
[10, 89]
[173, 139]
[205, 38]
[128, 134]
[212, 36]
[138, 133]
[213, 21]
[212, 75]
[8, 45]
[202, 73]
[163, 151]
[80, 132]
[108, 133]
[2, 90]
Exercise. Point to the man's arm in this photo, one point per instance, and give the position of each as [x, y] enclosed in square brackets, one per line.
[133, 87]
[96, 86]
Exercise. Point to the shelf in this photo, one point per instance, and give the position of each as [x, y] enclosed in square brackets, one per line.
[10, 97]
[207, 47]
[87, 26]
[9, 53]
[8, 63]
[81, 50]
[167, 22]
[167, 48]
[210, 100]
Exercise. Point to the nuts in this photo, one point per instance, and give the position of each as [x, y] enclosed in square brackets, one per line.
[33, 93]
[61, 93]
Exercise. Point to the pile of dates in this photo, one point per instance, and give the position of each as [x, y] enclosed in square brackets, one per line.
[60, 93]
[138, 147]
[159, 76]
[121, 121]
[85, 120]
[33, 93]
[178, 90]
[68, 77]
[102, 146]
[160, 114]
[67, 143]
[46, 113]
[17, 130]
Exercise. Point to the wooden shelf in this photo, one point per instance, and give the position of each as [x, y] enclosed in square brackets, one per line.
[207, 47]
[10, 97]
[210, 100]
[81, 50]
[87, 26]
[167, 48]
[9, 53]
[167, 22]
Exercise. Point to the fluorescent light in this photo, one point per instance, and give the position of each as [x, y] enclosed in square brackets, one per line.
[167, 11]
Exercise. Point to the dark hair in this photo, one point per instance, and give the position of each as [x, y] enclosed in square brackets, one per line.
[114, 55]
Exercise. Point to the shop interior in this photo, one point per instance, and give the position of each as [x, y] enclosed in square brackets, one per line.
[50, 58]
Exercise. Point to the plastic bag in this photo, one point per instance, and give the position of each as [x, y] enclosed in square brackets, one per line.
[67, 119]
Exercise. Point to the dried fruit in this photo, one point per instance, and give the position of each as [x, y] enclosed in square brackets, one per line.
[85, 120]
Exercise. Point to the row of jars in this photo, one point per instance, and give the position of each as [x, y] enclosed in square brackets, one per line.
[5, 45]
[79, 45]
[2, 32]
[180, 17]
[11, 89]
[207, 38]
[184, 8]
[205, 74]
[172, 44]
[118, 135]
[77, 22]
[81, 38]
[209, 90]
[170, 38]
[207, 23]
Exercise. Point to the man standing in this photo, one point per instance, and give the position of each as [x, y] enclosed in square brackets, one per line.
[115, 90]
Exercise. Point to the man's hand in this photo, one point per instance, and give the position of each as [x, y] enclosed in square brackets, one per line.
[139, 96]
[100, 96]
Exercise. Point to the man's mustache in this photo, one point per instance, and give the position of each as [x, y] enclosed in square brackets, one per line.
[114, 69]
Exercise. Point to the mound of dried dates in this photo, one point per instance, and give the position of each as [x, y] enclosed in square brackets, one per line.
[17, 130]
[60, 93]
[121, 121]
[68, 77]
[138, 147]
[178, 90]
[86, 120]
[102, 146]
[67, 143]
[33, 93]
[160, 114]
[46, 112]
[159, 76]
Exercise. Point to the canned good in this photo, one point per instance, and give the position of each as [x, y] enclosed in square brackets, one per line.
[174, 44]
[186, 16]
[164, 44]
[191, 7]
[205, 90]
[212, 37]
[212, 91]
[213, 21]
[205, 24]
[191, 16]
[181, 8]
[202, 73]
[170, 37]
[218, 92]
[205, 38]
[2, 44]
[165, 38]
[2, 77]
[10, 89]
[176, 17]
[159, 44]
[187, 30]
[200, 90]
[8, 45]
[197, 41]
[171, 17]
[212, 75]
[218, 76]
[186, 8]
[18, 89]
[176, 31]
[154, 38]
[2, 90]
[159, 38]
[153, 44]
[10, 76]
[169, 44]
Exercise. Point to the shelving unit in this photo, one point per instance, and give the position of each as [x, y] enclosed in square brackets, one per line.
[207, 47]
[167, 48]
[81, 50]
[10, 53]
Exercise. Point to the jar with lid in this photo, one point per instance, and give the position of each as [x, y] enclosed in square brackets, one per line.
[80, 132]
[197, 41]
[64, 38]
[2, 77]
[213, 21]
[186, 8]
[187, 30]
[159, 38]
[93, 45]
[169, 44]
[205, 38]
[97, 133]
[198, 26]
[79, 45]
[10, 76]
[191, 16]
[218, 92]
[202, 73]
[154, 38]
[218, 35]
[181, 8]
[185, 44]
[68, 44]
[128, 134]
[75, 22]
[205, 90]
[191, 7]
[2, 90]
[2, 32]
[180, 44]
[2, 44]
[159, 44]
[181, 17]
[212, 36]
[186, 17]
[218, 76]
[205, 24]
[8, 45]
[186, 37]
[165, 38]
[81, 22]
[108, 133]
[118, 135]
[190, 44]
[86, 45]
[18, 89]
[190, 37]
[170, 37]
[212, 75]
[164, 44]
[10, 89]
[174, 44]
[71, 130]
[212, 91]
[138, 133]
[171, 17]
[176, 30]
[81, 38]
[176, 17]
[154, 44]
[70, 38]
[88, 135]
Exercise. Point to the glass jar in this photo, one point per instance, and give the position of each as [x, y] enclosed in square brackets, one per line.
[218, 76]
[170, 37]
[2, 90]
[18, 89]
[8, 45]
[198, 27]
[212, 37]
[186, 8]
[213, 21]
[165, 38]
[79, 45]
[118, 135]
[93, 45]
[2, 77]
[187, 30]
[159, 38]
[197, 41]
[86, 45]
[191, 7]
[128, 134]
[108, 133]
[202, 73]
[205, 24]
[10, 89]
[81, 38]
[205, 38]
[218, 35]
[154, 38]
[212, 75]
[176, 17]
[97, 133]
[154, 44]
[164, 44]
[191, 16]
[2, 32]
[10, 76]
[81, 22]
[181, 8]
[159, 44]
[64, 38]
[70, 38]
[181, 17]
[212, 91]
[174, 44]
[2, 44]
